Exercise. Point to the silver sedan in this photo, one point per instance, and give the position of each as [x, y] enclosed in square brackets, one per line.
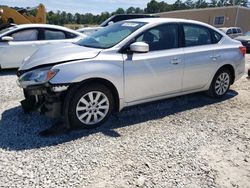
[129, 63]
[21, 41]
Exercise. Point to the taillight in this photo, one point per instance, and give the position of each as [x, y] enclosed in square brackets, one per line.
[243, 50]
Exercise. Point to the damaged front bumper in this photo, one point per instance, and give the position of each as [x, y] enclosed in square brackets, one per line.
[46, 99]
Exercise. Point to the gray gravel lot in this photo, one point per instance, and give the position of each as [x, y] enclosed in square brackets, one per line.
[188, 141]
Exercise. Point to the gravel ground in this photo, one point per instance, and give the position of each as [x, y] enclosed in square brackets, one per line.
[188, 141]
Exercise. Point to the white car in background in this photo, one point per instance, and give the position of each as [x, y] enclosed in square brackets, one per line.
[21, 41]
[232, 31]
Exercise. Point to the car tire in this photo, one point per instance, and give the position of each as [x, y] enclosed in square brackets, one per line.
[89, 106]
[220, 84]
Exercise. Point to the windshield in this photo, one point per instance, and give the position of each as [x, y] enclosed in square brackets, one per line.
[247, 33]
[6, 29]
[111, 35]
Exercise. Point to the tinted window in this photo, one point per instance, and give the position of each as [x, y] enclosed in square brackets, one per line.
[219, 20]
[54, 35]
[234, 31]
[196, 35]
[70, 35]
[229, 31]
[238, 30]
[161, 37]
[6, 29]
[217, 36]
[25, 35]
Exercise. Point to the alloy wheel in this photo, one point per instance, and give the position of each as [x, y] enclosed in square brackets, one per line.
[222, 83]
[92, 107]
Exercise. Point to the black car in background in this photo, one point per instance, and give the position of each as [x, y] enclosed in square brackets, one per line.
[245, 40]
[115, 18]
[120, 17]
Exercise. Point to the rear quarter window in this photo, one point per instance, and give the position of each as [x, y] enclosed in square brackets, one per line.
[70, 35]
[216, 36]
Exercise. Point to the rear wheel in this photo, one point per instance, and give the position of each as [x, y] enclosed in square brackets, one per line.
[220, 84]
[90, 106]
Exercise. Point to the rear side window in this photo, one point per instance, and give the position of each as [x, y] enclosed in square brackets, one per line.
[54, 35]
[161, 37]
[238, 30]
[195, 35]
[234, 31]
[26, 35]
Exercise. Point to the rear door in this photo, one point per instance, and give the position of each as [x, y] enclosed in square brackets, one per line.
[200, 60]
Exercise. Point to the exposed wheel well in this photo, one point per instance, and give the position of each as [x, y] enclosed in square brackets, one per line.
[231, 69]
[108, 84]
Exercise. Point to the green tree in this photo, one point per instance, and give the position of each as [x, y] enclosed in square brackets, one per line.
[153, 7]
[119, 11]
[179, 5]
[77, 18]
[201, 4]
[139, 10]
[190, 4]
[130, 10]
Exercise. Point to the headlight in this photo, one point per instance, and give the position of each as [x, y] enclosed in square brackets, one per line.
[38, 76]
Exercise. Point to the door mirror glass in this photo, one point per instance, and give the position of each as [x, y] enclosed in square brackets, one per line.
[7, 39]
[110, 23]
[139, 47]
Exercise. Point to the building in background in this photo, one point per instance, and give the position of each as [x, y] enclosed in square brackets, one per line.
[234, 16]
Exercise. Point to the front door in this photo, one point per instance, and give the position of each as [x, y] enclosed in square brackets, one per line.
[158, 72]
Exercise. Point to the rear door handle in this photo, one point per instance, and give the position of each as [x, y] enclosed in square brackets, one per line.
[215, 57]
[175, 60]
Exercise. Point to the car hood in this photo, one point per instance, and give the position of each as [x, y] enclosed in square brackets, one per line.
[243, 38]
[58, 53]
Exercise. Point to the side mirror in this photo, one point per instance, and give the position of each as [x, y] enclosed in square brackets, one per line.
[139, 47]
[7, 39]
[110, 23]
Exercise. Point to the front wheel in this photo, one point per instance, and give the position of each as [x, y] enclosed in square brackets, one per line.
[90, 106]
[220, 84]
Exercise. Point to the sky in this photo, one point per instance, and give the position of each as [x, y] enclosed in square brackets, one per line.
[81, 6]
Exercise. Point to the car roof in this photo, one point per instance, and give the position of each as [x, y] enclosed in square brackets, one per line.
[225, 28]
[49, 26]
[168, 20]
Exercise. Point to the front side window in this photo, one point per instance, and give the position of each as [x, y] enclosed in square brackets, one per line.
[26, 35]
[162, 37]
[7, 29]
[229, 31]
[219, 20]
[110, 35]
[54, 35]
[196, 35]
[234, 31]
